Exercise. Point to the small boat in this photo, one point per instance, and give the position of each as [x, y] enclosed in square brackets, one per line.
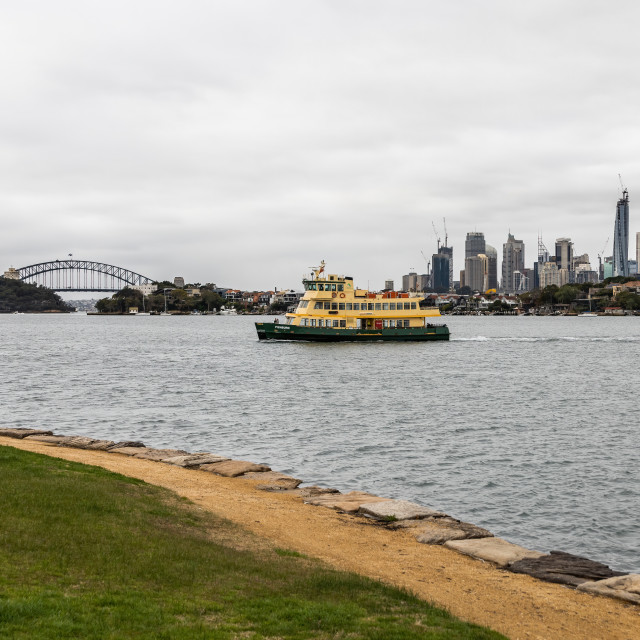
[588, 314]
[332, 310]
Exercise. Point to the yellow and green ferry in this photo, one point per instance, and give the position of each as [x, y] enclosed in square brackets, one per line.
[331, 310]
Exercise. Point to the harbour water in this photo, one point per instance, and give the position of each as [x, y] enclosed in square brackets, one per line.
[527, 426]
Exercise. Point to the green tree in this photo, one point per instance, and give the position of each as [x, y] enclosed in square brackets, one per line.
[628, 300]
[566, 294]
[278, 306]
[210, 301]
[547, 295]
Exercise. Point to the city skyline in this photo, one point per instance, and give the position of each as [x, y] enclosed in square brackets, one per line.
[242, 142]
[513, 261]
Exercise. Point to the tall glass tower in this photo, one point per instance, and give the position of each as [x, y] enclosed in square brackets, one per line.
[621, 237]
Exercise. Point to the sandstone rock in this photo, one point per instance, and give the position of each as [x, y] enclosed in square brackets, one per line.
[192, 460]
[398, 510]
[159, 455]
[234, 468]
[349, 502]
[126, 443]
[127, 451]
[47, 439]
[273, 480]
[621, 587]
[441, 530]
[77, 442]
[494, 550]
[101, 445]
[23, 432]
[313, 491]
[563, 568]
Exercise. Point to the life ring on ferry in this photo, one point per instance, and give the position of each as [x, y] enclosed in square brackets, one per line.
[342, 295]
[334, 294]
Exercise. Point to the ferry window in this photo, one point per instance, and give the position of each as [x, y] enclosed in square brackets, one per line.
[406, 323]
[407, 305]
[320, 286]
[392, 306]
[349, 306]
[321, 322]
[378, 306]
[313, 322]
[340, 287]
[313, 286]
[413, 305]
[385, 306]
[356, 306]
[343, 323]
[333, 287]
[336, 323]
[319, 305]
[334, 306]
[371, 306]
[341, 306]
[327, 305]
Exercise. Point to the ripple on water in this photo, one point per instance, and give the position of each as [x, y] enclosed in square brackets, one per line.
[510, 425]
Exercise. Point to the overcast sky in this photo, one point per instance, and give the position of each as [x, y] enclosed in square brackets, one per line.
[242, 142]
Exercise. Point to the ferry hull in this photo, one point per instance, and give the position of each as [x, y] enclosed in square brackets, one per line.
[275, 331]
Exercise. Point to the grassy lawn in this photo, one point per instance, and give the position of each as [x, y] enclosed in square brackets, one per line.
[85, 553]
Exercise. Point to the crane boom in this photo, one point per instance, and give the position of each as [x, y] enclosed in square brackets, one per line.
[436, 234]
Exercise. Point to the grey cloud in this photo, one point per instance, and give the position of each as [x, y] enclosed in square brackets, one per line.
[241, 142]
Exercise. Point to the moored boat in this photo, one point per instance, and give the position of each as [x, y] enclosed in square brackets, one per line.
[332, 310]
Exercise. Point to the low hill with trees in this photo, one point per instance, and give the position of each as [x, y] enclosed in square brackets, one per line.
[23, 297]
[177, 300]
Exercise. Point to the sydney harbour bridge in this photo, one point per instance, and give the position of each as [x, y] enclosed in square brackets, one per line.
[79, 275]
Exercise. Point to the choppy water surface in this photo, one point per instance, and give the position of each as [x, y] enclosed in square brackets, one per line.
[526, 426]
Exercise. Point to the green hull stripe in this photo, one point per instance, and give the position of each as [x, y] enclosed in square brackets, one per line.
[274, 331]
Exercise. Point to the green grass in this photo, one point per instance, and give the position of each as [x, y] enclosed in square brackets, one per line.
[85, 553]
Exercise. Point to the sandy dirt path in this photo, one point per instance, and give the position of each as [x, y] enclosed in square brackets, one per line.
[516, 605]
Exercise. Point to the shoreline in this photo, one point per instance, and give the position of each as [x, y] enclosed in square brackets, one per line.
[515, 604]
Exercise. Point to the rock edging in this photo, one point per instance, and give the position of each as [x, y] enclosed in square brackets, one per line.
[427, 525]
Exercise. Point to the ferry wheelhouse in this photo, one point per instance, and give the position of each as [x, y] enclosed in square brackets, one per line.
[333, 310]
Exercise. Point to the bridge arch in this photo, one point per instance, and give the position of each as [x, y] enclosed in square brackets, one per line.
[81, 275]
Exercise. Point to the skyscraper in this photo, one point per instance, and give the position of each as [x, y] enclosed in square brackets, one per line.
[543, 257]
[440, 267]
[492, 266]
[476, 273]
[512, 260]
[564, 253]
[621, 237]
[474, 245]
[448, 252]
[410, 281]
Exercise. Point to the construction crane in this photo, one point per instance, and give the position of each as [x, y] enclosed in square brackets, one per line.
[600, 256]
[446, 235]
[427, 261]
[622, 183]
[436, 234]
